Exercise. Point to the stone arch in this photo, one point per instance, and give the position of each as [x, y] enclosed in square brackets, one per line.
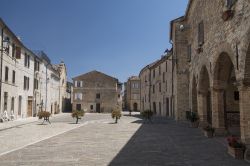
[204, 97]
[226, 115]
[194, 95]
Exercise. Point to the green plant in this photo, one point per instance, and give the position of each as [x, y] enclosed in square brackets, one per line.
[116, 114]
[43, 114]
[193, 117]
[78, 114]
[147, 114]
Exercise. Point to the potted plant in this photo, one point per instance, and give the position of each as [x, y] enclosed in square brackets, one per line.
[147, 114]
[208, 131]
[194, 119]
[78, 114]
[116, 114]
[236, 148]
[44, 115]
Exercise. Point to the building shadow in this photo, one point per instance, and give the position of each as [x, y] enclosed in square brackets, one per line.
[166, 142]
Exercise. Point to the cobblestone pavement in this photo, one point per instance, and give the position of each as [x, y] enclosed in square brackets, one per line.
[130, 143]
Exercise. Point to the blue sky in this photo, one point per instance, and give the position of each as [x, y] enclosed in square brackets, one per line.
[117, 37]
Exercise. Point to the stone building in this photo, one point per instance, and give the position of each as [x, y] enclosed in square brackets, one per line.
[20, 73]
[210, 60]
[217, 44]
[133, 93]
[156, 86]
[96, 92]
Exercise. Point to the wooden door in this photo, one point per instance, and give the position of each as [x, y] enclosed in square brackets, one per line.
[98, 107]
[29, 113]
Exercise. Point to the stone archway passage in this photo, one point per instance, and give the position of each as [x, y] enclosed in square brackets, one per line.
[135, 107]
[194, 95]
[204, 98]
[225, 97]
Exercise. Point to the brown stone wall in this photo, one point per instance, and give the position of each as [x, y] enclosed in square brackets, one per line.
[93, 84]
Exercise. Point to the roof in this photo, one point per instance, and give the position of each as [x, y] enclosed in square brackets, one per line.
[136, 78]
[94, 72]
[4, 25]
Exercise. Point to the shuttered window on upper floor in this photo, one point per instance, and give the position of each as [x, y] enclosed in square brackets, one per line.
[201, 33]
[189, 52]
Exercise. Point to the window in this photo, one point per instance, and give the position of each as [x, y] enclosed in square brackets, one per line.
[12, 104]
[236, 96]
[18, 52]
[78, 107]
[27, 60]
[163, 77]
[201, 33]
[78, 84]
[91, 107]
[189, 52]
[13, 50]
[159, 87]
[78, 96]
[6, 73]
[159, 70]
[230, 3]
[154, 73]
[5, 101]
[153, 88]
[13, 77]
[26, 83]
[37, 66]
[98, 95]
[35, 83]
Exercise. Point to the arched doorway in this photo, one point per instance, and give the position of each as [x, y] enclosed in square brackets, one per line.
[225, 97]
[204, 98]
[135, 107]
[194, 95]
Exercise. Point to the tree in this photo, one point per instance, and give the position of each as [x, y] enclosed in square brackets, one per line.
[78, 114]
[116, 114]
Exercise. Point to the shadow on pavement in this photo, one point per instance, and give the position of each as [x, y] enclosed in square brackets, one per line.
[165, 142]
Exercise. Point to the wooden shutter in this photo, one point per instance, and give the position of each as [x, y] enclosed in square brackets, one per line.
[18, 52]
[189, 52]
[201, 33]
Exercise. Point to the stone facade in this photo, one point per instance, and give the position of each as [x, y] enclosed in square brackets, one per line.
[23, 78]
[133, 86]
[156, 86]
[96, 92]
[216, 44]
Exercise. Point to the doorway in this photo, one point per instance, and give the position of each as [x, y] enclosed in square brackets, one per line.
[98, 107]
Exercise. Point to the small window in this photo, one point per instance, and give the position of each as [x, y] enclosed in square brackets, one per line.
[13, 77]
[189, 52]
[78, 107]
[201, 33]
[91, 107]
[159, 87]
[6, 73]
[159, 70]
[236, 96]
[154, 73]
[98, 95]
[153, 88]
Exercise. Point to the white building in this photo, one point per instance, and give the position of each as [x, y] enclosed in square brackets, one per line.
[28, 81]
